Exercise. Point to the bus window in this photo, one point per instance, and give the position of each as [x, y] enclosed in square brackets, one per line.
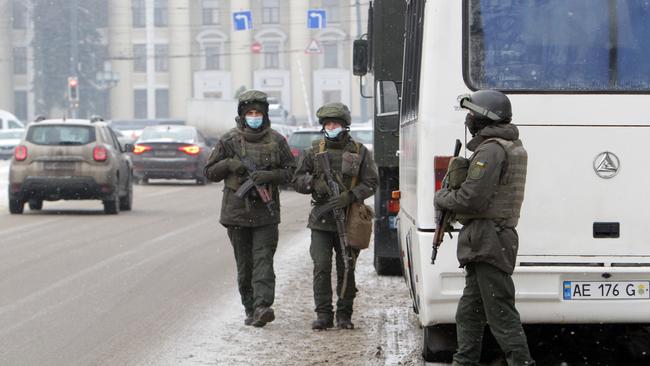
[558, 45]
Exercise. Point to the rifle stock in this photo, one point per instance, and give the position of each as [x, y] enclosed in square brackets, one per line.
[443, 217]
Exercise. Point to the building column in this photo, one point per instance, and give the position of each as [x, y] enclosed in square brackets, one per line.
[241, 64]
[6, 57]
[180, 63]
[121, 56]
[301, 69]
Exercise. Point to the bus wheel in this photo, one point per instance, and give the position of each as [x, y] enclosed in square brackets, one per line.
[439, 343]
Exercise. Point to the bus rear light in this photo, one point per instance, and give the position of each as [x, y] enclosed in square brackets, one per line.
[139, 149]
[99, 153]
[20, 153]
[190, 149]
[440, 165]
[393, 204]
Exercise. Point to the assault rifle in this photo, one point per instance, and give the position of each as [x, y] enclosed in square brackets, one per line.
[443, 215]
[339, 216]
[262, 191]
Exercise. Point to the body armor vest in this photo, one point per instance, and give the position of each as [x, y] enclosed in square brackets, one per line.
[265, 153]
[505, 205]
[335, 155]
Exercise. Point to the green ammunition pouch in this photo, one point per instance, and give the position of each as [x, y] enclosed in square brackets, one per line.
[457, 172]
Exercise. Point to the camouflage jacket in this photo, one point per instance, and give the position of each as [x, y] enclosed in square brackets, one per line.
[270, 151]
[309, 169]
[483, 239]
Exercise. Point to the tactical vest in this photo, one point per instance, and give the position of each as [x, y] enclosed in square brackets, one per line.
[505, 204]
[336, 161]
[265, 153]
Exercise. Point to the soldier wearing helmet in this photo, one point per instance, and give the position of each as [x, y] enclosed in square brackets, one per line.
[252, 224]
[357, 177]
[487, 201]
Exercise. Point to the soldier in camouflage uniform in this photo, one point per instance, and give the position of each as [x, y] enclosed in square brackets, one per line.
[252, 225]
[348, 159]
[488, 203]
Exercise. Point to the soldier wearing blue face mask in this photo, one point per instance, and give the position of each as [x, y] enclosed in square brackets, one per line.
[356, 173]
[252, 226]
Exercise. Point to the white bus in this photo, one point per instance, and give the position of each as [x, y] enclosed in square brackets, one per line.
[578, 75]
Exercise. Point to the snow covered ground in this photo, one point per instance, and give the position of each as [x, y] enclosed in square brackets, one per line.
[386, 330]
[4, 181]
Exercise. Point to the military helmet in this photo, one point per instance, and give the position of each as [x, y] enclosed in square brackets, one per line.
[334, 110]
[252, 97]
[489, 103]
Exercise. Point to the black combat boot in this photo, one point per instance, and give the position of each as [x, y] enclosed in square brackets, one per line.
[344, 321]
[249, 317]
[262, 316]
[323, 321]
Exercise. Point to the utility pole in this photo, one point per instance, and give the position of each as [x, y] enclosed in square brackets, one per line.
[364, 114]
[74, 52]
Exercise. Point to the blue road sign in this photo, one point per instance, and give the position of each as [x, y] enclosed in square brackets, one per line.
[316, 18]
[242, 20]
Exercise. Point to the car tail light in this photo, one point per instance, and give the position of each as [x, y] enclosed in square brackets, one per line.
[99, 153]
[139, 149]
[393, 204]
[190, 149]
[295, 152]
[20, 153]
[440, 165]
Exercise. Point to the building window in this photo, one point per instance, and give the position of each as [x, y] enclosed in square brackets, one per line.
[270, 11]
[160, 13]
[139, 14]
[330, 54]
[162, 58]
[19, 14]
[20, 104]
[211, 12]
[139, 58]
[333, 10]
[271, 55]
[212, 57]
[162, 103]
[20, 60]
[140, 103]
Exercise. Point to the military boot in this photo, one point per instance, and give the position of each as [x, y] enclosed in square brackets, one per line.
[344, 321]
[249, 317]
[323, 321]
[262, 316]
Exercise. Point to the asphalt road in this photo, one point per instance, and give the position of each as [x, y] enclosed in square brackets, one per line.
[78, 287]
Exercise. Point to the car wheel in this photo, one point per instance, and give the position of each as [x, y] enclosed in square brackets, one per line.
[36, 205]
[16, 205]
[112, 204]
[126, 201]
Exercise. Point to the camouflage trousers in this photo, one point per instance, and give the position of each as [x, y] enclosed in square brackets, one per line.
[489, 298]
[322, 244]
[254, 249]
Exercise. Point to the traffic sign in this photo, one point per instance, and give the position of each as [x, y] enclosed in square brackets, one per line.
[256, 47]
[242, 20]
[313, 47]
[316, 18]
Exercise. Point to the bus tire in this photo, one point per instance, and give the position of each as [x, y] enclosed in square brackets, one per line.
[439, 343]
[387, 266]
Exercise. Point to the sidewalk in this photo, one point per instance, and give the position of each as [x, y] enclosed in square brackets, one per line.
[4, 181]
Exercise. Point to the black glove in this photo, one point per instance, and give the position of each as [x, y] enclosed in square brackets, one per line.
[343, 200]
[263, 176]
[235, 166]
[320, 187]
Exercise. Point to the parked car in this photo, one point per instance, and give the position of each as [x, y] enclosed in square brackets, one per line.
[132, 128]
[70, 160]
[9, 139]
[302, 139]
[9, 121]
[170, 152]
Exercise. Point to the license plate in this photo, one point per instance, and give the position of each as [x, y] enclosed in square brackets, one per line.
[59, 165]
[606, 290]
[165, 153]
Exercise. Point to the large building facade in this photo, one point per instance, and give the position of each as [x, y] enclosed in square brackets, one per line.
[166, 52]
